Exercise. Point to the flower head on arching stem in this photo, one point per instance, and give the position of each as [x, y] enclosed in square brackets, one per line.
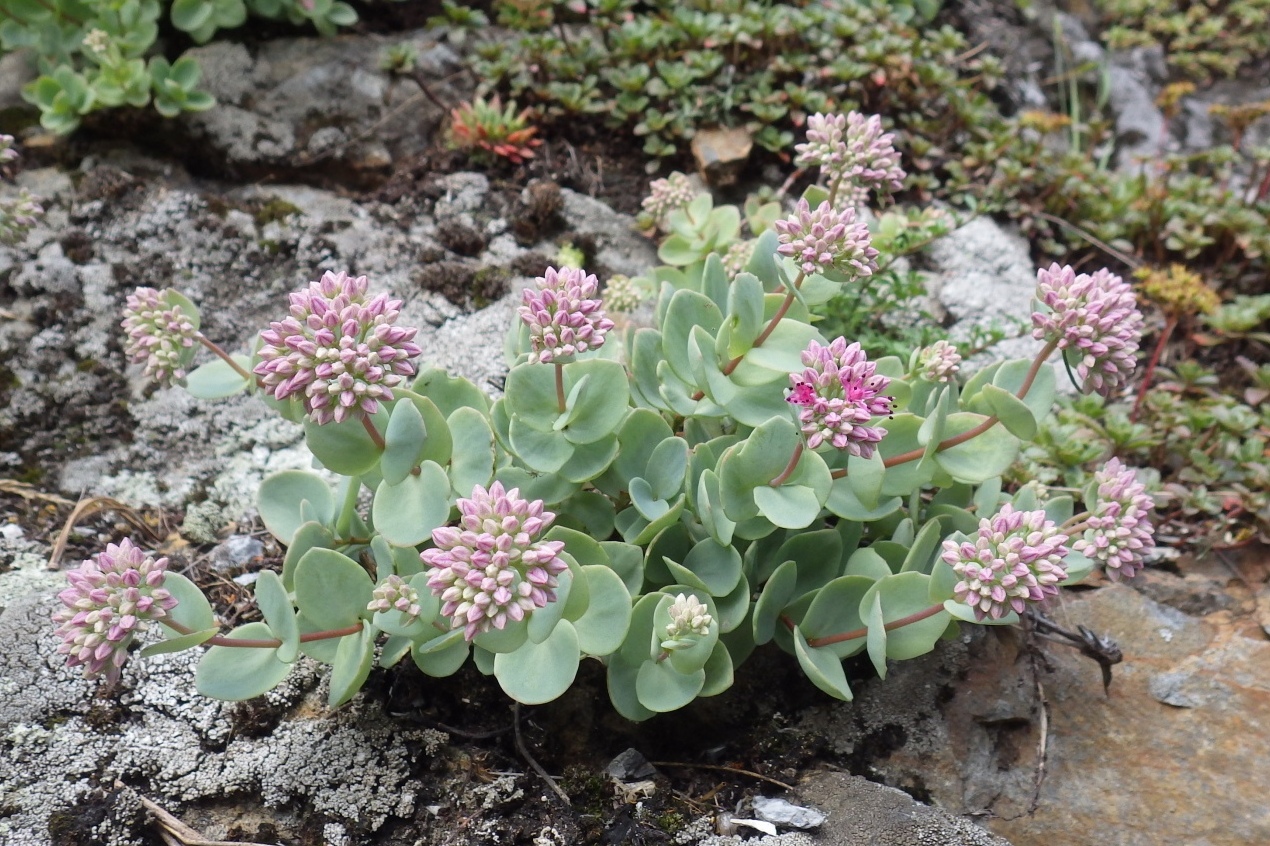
[338, 350]
[667, 195]
[160, 334]
[939, 362]
[852, 150]
[1016, 559]
[839, 392]
[110, 600]
[821, 239]
[491, 568]
[564, 314]
[1118, 533]
[1096, 318]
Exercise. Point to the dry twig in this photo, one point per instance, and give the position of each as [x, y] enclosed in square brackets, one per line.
[529, 759]
[92, 505]
[718, 768]
[176, 833]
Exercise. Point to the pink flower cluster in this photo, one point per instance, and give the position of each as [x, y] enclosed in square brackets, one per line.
[1016, 559]
[1119, 533]
[109, 601]
[492, 568]
[17, 214]
[824, 238]
[1094, 317]
[839, 393]
[395, 593]
[939, 362]
[564, 314]
[338, 350]
[853, 151]
[667, 195]
[160, 334]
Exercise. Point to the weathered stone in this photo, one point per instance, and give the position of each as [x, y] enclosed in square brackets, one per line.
[862, 813]
[983, 277]
[308, 103]
[721, 154]
[786, 814]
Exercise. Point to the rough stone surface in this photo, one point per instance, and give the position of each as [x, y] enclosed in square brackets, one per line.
[236, 255]
[617, 247]
[58, 741]
[307, 103]
[983, 276]
[861, 813]
[962, 726]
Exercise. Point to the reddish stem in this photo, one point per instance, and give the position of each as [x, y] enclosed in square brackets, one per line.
[373, 432]
[789, 468]
[864, 630]
[225, 357]
[948, 443]
[264, 643]
[1149, 373]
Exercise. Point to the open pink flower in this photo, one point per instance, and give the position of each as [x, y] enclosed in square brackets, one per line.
[839, 393]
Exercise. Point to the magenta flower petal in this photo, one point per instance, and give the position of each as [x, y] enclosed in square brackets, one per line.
[839, 393]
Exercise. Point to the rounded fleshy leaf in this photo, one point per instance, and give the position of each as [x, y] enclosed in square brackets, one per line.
[280, 498]
[540, 672]
[271, 599]
[405, 514]
[331, 590]
[237, 673]
[217, 380]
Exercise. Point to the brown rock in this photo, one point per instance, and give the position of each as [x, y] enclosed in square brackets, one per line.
[1174, 754]
[721, 154]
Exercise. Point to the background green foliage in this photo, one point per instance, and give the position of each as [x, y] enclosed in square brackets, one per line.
[127, 69]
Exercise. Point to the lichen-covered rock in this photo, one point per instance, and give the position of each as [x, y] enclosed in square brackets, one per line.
[311, 104]
[59, 742]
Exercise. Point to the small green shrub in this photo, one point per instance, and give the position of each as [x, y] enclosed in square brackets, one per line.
[98, 55]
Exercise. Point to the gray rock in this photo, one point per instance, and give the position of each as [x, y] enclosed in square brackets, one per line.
[305, 102]
[630, 765]
[237, 551]
[16, 70]
[786, 814]
[862, 813]
[1140, 124]
[619, 249]
[982, 276]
